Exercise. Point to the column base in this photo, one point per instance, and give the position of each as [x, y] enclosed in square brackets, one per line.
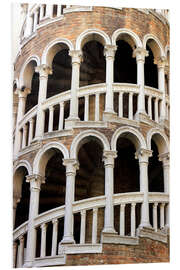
[70, 122]
[141, 117]
[109, 116]
[28, 264]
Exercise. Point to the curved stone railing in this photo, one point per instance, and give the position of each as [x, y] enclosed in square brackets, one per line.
[55, 216]
[91, 102]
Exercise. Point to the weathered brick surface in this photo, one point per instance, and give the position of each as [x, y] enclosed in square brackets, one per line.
[148, 251]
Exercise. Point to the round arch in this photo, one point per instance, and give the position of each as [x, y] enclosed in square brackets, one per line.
[158, 49]
[77, 142]
[27, 71]
[160, 139]
[23, 163]
[53, 47]
[89, 34]
[43, 155]
[132, 134]
[124, 31]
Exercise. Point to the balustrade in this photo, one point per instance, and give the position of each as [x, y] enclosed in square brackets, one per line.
[92, 108]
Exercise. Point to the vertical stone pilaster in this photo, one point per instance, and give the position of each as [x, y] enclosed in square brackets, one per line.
[143, 156]
[71, 167]
[35, 184]
[108, 159]
[140, 55]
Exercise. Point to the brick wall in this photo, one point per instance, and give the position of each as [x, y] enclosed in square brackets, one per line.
[148, 251]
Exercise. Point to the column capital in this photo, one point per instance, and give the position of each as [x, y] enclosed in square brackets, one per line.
[76, 56]
[161, 62]
[23, 92]
[43, 70]
[55, 221]
[109, 51]
[108, 157]
[71, 166]
[155, 204]
[21, 238]
[140, 54]
[35, 181]
[143, 155]
[43, 226]
[164, 158]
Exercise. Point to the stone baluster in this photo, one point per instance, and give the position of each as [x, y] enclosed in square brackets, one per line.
[35, 184]
[24, 139]
[35, 20]
[31, 130]
[109, 52]
[41, 12]
[130, 106]
[54, 237]
[94, 226]
[86, 109]
[108, 159]
[97, 107]
[140, 54]
[51, 117]
[61, 115]
[150, 106]
[49, 11]
[59, 10]
[143, 156]
[83, 227]
[155, 226]
[122, 219]
[156, 110]
[76, 61]
[20, 255]
[120, 104]
[43, 71]
[133, 219]
[43, 240]
[162, 215]
[29, 26]
[71, 167]
[14, 254]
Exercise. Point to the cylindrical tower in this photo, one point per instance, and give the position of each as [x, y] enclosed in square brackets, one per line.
[91, 136]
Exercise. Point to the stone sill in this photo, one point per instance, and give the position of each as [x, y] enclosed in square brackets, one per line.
[109, 238]
[50, 261]
[79, 248]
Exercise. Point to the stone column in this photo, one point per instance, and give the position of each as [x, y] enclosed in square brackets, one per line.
[41, 12]
[31, 128]
[109, 52]
[76, 61]
[43, 71]
[35, 20]
[140, 55]
[165, 161]
[14, 254]
[21, 110]
[35, 184]
[20, 257]
[143, 156]
[61, 116]
[108, 159]
[71, 167]
[49, 10]
[24, 136]
[161, 62]
[54, 237]
[29, 26]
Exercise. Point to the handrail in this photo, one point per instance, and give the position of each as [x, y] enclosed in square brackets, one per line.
[30, 114]
[22, 229]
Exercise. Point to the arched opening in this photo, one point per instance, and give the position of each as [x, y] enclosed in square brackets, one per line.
[60, 80]
[125, 67]
[126, 178]
[21, 196]
[31, 81]
[89, 183]
[150, 68]
[52, 194]
[155, 170]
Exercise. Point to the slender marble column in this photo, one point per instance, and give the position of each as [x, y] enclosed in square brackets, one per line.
[108, 159]
[43, 71]
[43, 240]
[76, 61]
[140, 55]
[86, 110]
[14, 254]
[122, 219]
[24, 136]
[29, 26]
[61, 115]
[155, 226]
[51, 118]
[21, 110]
[109, 52]
[54, 237]
[133, 219]
[94, 225]
[143, 156]
[120, 104]
[35, 184]
[161, 62]
[31, 129]
[83, 227]
[150, 106]
[20, 258]
[15, 202]
[156, 110]
[131, 106]
[35, 20]
[71, 167]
